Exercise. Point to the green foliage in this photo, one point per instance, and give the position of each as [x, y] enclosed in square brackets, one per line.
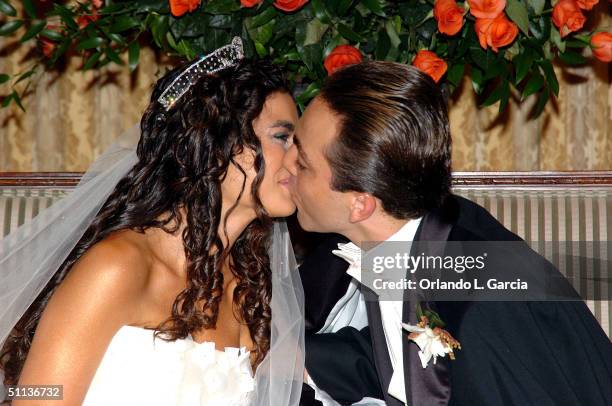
[432, 317]
[517, 12]
[299, 41]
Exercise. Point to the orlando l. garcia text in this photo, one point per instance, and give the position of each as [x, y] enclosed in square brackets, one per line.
[462, 284]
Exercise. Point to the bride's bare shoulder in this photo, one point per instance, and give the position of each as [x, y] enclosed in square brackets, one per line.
[124, 251]
[116, 268]
[102, 292]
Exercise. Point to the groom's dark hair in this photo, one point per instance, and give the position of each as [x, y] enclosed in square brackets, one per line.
[394, 141]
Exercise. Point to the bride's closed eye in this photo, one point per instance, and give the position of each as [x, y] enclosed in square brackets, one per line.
[284, 139]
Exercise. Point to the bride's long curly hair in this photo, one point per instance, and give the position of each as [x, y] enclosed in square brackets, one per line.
[183, 157]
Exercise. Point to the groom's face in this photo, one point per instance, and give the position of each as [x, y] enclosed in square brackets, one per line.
[319, 207]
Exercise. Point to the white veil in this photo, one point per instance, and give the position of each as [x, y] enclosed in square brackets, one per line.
[31, 255]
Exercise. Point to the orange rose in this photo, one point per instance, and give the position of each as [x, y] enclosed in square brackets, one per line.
[495, 32]
[46, 46]
[342, 55]
[429, 63]
[289, 5]
[98, 3]
[449, 16]
[486, 8]
[250, 3]
[567, 16]
[586, 4]
[602, 46]
[84, 20]
[180, 7]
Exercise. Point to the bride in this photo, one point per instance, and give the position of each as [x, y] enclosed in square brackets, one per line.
[171, 295]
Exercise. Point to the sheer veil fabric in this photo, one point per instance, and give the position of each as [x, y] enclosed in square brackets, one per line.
[32, 254]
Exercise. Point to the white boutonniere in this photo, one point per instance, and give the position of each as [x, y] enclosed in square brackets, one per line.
[433, 341]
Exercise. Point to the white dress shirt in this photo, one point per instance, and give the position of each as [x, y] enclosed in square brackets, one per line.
[350, 311]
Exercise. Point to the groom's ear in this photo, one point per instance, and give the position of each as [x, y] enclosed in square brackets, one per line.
[362, 207]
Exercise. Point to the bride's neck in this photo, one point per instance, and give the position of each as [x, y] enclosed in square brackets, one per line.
[172, 245]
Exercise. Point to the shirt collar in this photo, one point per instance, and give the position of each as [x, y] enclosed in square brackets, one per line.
[351, 253]
[407, 231]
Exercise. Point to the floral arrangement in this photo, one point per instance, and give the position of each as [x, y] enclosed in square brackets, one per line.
[499, 44]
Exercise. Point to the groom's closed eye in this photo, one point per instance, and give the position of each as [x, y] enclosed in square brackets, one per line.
[302, 159]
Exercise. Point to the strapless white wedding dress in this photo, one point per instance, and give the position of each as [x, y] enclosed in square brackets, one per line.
[136, 370]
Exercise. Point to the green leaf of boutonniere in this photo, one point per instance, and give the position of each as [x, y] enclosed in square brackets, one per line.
[433, 318]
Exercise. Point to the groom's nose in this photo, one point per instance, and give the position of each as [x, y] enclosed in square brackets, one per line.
[290, 160]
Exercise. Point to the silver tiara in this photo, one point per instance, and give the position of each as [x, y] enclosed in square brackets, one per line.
[222, 58]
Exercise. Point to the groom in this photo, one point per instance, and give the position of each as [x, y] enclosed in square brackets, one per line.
[371, 161]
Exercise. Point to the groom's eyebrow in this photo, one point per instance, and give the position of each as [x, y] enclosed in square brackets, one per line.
[288, 125]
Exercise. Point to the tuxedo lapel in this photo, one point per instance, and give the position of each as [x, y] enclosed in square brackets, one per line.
[427, 386]
[382, 361]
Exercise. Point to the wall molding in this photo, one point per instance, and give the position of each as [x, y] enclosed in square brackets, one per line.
[460, 179]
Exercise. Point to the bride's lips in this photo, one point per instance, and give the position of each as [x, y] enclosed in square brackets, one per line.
[284, 182]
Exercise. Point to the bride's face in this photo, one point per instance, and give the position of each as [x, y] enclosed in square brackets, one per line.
[274, 127]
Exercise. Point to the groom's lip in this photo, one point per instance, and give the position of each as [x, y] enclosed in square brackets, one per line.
[290, 185]
[289, 182]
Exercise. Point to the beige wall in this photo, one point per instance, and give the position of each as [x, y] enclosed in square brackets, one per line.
[573, 133]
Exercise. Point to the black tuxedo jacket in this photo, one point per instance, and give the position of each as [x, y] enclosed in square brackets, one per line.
[513, 353]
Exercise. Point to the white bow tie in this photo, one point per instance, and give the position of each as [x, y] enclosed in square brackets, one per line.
[351, 254]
